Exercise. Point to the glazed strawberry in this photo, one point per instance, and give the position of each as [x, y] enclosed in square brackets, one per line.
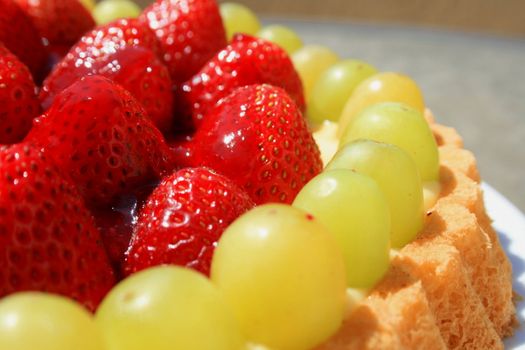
[245, 61]
[184, 218]
[190, 32]
[48, 240]
[258, 138]
[100, 135]
[59, 22]
[135, 68]
[18, 100]
[19, 35]
[92, 48]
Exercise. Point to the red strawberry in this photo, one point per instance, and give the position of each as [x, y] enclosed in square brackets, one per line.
[99, 135]
[19, 35]
[135, 68]
[59, 22]
[258, 138]
[48, 240]
[245, 61]
[18, 101]
[183, 219]
[92, 48]
[190, 32]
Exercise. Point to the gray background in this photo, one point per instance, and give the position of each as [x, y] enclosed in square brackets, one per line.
[473, 82]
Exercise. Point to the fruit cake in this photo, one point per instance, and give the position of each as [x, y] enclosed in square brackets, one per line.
[187, 179]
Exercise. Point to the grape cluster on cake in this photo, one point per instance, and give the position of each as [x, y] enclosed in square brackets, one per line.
[181, 178]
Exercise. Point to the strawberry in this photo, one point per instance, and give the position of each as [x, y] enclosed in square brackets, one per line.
[100, 135]
[135, 68]
[48, 240]
[183, 219]
[59, 22]
[258, 138]
[190, 32]
[18, 100]
[92, 48]
[19, 35]
[245, 61]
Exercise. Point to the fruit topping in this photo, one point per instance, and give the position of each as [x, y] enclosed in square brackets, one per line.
[258, 138]
[283, 274]
[18, 100]
[183, 219]
[282, 36]
[107, 11]
[245, 61]
[101, 137]
[124, 51]
[59, 22]
[33, 320]
[136, 68]
[381, 87]
[190, 32]
[238, 18]
[355, 211]
[402, 126]
[397, 175]
[48, 239]
[19, 35]
[334, 87]
[167, 308]
[311, 61]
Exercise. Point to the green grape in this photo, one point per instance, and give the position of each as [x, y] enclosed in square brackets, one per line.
[238, 18]
[166, 308]
[283, 273]
[311, 61]
[355, 211]
[381, 87]
[326, 139]
[109, 10]
[334, 88]
[89, 4]
[282, 36]
[397, 175]
[402, 126]
[34, 320]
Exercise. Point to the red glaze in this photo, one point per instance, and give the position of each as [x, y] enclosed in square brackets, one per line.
[59, 22]
[245, 61]
[48, 239]
[100, 135]
[258, 138]
[19, 35]
[135, 68]
[118, 222]
[190, 32]
[18, 101]
[184, 218]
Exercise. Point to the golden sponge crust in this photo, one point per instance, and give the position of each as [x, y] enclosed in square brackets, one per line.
[449, 289]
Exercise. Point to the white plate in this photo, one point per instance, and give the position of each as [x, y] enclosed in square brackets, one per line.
[510, 224]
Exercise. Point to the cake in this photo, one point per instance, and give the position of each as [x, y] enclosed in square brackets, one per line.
[153, 136]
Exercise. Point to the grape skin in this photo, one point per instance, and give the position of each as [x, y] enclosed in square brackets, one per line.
[35, 320]
[283, 274]
[355, 211]
[238, 18]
